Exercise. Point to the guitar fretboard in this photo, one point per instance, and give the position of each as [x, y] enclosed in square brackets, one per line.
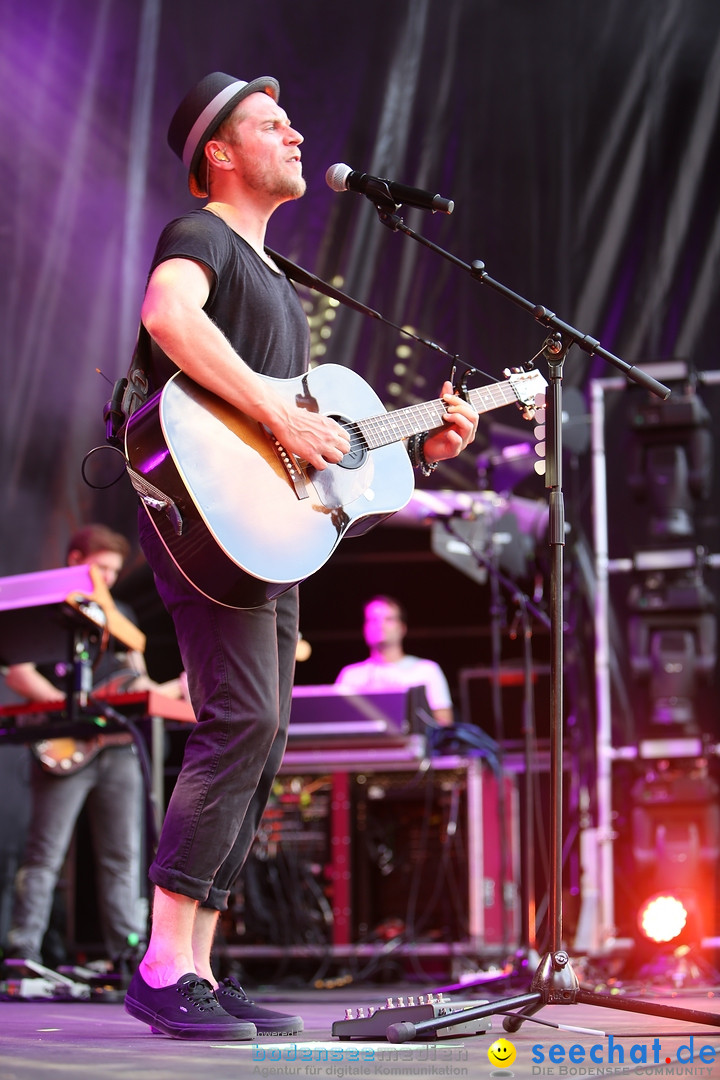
[394, 426]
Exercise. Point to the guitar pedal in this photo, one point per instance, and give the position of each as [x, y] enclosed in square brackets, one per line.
[372, 1022]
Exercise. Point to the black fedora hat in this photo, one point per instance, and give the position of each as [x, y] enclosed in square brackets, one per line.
[202, 111]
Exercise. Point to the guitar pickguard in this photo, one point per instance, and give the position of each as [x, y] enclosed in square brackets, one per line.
[340, 485]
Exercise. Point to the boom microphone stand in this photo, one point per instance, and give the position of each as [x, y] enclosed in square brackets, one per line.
[554, 981]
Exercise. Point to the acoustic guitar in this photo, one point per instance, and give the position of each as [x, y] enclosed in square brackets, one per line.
[243, 519]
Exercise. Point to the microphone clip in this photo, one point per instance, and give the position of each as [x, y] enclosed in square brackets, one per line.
[378, 192]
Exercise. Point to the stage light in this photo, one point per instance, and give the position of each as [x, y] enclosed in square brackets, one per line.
[672, 638]
[672, 611]
[670, 880]
[672, 466]
[662, 918]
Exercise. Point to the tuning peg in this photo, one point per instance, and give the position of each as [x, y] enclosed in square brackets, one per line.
[539, 433]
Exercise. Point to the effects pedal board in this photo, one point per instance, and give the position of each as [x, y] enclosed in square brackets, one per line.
[36, 981]
[372, 1022]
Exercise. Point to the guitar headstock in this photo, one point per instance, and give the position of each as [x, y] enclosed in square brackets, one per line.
[529, 386]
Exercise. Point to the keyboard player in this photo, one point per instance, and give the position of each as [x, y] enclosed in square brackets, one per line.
[103, 773]
[389, 667]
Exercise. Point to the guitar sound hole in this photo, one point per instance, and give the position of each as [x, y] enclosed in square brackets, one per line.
[357, 453]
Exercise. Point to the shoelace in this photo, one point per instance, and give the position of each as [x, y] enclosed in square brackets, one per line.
[200, 993]
[231, 986]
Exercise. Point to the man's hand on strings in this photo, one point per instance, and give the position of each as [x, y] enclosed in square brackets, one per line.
[460, 423]
[319, 440]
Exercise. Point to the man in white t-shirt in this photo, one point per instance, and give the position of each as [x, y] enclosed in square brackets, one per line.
[388, 667]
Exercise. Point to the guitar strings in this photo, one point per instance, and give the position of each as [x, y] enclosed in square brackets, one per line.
[402, 422]
[370, 433]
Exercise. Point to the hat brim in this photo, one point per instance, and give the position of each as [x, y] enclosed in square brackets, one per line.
[264, 85]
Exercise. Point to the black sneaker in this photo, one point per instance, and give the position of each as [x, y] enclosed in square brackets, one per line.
[235, 1001]
[186, 1010]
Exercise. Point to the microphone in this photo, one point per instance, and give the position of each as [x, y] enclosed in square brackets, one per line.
[342, 178]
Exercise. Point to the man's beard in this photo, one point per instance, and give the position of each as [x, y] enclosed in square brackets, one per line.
[279, 184]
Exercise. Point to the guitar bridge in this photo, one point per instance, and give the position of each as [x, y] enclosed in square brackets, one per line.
[290, 465]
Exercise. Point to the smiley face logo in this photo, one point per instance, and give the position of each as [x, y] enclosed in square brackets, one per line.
[502, 1053]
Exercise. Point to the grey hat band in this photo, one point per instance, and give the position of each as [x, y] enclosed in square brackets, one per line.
[206, 117]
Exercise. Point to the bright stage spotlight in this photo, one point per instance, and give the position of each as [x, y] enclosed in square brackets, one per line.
[662, 918]
[670, 879]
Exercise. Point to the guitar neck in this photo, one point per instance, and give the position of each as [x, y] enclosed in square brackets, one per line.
[400, 424]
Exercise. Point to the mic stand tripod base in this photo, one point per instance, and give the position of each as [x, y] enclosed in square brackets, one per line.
[554, 983]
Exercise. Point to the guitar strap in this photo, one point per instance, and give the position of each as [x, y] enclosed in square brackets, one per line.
[136, 391]
[304, 277]
[130, 392]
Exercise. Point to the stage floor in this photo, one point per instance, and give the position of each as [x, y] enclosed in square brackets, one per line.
[99, 1040]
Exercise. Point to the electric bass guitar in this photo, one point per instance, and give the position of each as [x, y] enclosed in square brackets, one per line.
[243, 519]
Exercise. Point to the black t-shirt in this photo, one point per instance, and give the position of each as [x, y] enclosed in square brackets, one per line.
[256, 308]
